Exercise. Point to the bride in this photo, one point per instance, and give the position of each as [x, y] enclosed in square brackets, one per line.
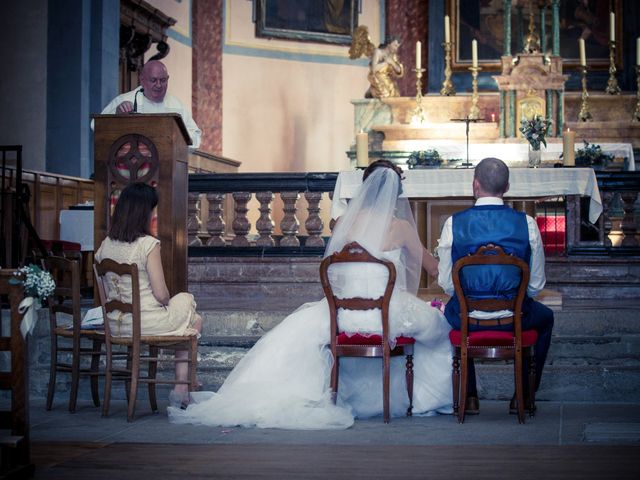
[283, 381]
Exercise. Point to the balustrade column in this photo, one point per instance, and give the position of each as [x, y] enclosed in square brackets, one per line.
[607, 224]
[193, 219]
[289, 224]
[240, 224]
[265, 224]
[215, 221]
[314, 224]
[628, 224]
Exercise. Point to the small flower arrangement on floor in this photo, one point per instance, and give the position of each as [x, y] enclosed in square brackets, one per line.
[424, 159]
[592, 156]
[535, 131]
[37, 283]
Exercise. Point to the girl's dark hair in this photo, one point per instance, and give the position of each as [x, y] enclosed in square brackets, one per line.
[132, 216]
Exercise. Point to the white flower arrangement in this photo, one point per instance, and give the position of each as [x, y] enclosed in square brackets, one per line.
[37, 282]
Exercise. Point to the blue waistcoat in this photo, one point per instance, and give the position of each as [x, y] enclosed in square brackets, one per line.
[480, 225]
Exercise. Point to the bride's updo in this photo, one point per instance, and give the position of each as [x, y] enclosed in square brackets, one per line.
[381, 164]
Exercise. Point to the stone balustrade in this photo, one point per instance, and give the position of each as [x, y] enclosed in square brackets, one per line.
[221, 221]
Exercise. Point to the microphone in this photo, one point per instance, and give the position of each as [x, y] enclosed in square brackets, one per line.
[135, 101]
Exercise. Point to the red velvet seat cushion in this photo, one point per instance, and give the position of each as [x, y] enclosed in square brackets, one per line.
[493, 338]
[357, 339]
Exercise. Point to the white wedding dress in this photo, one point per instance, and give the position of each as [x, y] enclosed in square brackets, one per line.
[283, 381]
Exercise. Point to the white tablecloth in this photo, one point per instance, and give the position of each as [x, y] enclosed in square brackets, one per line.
[77, 226]
[524, 183]
[513, 153]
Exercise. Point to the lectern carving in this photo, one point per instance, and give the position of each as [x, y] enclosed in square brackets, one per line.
[150, 148]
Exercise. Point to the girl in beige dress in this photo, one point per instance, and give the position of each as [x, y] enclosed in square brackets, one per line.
[130, 241]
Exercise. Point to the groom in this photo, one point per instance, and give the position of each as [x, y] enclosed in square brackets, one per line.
[491, 221]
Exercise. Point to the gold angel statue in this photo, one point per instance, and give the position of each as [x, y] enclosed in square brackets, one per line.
[384, 66]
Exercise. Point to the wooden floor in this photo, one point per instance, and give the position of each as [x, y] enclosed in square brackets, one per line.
[122, 461]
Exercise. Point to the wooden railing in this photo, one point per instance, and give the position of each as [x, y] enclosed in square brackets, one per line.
[219, 220]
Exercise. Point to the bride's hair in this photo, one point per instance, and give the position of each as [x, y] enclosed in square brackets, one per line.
[381, 164]
[378, 164]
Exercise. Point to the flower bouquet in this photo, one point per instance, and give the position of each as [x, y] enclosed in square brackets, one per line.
[38, 286]
[424, 159]
[535, 130]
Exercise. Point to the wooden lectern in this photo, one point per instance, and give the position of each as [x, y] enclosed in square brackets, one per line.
[149, 148]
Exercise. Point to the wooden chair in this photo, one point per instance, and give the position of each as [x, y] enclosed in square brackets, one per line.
[344, 344]
[15, 447]
[132, 373]
[491, 344]
[70, 339]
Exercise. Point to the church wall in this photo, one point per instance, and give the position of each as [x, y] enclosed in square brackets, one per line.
[23, 83]
[287, 104]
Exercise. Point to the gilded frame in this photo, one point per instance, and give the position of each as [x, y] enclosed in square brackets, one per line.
[307, 21]
[484, 18]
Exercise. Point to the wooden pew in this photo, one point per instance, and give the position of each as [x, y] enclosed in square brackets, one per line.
[15, 459]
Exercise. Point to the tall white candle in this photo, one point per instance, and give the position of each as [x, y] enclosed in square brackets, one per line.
[418, 55]
[612, 26]
[568, 148]
[583, 57]
[447, 29]
[362, 149]
[474, 53]
[638, 51]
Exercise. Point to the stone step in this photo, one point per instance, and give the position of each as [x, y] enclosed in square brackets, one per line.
[568, 322]
[595, 350]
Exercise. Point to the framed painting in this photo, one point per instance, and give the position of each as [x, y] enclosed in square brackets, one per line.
[322, 21]
[483, 20]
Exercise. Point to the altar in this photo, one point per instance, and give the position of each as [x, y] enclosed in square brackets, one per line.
[524, 184]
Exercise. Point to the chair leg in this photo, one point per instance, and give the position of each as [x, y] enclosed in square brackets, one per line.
[455, 380]
[335, 371]
[519, 389]
[385, 386]
[52, 371]
[193, 365]
[107, 381]
[462, 399]
[151, 386]
[95, 369]
[75, 375]
[135, 375]
[409, 378]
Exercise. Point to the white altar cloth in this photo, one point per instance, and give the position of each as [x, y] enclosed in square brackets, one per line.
[514, 154]
[524, 183]
[77, 226]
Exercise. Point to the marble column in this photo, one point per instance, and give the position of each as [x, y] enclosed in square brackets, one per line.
[555, 26]
[512, 114]
[549, 107]
[501, 114]
[506, 25]
[560, 111]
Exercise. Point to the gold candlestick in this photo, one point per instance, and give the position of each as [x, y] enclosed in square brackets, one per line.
[447, 86]
[474, 111]
[417, 116]
[612, 84]
[636, 114]
[585, 114]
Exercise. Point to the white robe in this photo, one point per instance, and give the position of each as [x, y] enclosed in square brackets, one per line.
[170, 104]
